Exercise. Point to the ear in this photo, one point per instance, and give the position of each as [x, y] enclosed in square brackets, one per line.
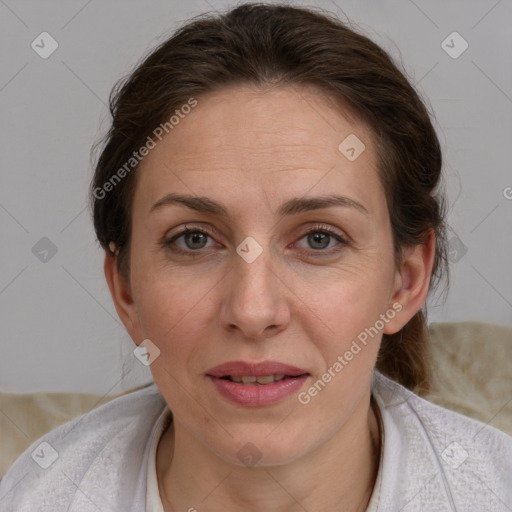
[122, 297]
[412, 282]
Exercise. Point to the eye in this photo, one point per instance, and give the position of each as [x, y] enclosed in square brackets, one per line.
[320, 237]
[194, 239]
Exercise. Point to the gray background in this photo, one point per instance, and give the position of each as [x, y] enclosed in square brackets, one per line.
[60, 331]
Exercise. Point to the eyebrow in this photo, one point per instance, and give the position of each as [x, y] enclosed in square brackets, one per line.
[291, 207]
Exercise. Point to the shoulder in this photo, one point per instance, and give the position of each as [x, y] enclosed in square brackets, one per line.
[447, 459]
[91, 462]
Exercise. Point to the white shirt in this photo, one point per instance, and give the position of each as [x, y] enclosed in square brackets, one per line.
[153, 501]
[432, 460]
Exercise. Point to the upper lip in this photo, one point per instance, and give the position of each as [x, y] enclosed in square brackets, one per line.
[246, 368]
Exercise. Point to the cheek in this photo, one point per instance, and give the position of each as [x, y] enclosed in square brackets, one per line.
[169, 312]
[171, 316]
[345, 327]
[341, 316]
[348, 296]
[176, 311]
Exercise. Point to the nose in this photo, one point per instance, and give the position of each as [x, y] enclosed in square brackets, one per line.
[255, 299]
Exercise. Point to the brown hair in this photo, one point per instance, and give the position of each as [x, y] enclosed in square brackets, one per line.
[272, 45]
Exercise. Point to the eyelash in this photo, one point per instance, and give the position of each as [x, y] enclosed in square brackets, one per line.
[319, 228]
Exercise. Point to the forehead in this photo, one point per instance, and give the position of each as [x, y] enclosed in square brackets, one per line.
[250, 118]
[245, 137]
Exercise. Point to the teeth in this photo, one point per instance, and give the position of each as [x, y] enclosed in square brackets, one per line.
[266, 379]
[251, 379]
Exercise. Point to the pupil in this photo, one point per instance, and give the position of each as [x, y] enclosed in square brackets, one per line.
[317, 238]
[195, 237]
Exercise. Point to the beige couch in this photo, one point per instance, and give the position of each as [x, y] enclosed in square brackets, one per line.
[473, 375]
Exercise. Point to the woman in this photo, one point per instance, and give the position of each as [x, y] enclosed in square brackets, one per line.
[268, 201]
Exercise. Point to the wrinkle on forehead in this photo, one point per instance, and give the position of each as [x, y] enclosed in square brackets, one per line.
[282, 158]
[282, 115]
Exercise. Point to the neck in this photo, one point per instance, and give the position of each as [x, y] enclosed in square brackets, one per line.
[339, 475]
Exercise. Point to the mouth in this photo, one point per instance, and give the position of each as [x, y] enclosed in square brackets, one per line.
[253, 380]
[257, 384]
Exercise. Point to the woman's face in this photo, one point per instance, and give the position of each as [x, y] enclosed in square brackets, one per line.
[283, 295]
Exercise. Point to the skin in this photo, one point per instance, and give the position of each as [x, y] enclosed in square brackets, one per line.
[253, 149]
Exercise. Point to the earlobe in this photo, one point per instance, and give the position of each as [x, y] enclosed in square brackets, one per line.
[121, 295]
[412, 283]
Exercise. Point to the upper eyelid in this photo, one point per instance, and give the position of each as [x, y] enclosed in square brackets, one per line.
[191, 227]
[210, 229]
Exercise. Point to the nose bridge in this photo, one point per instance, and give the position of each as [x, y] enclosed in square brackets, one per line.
[253, 271]
[255, 298]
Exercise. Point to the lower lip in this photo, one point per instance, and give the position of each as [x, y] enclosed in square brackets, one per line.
[258, 394]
